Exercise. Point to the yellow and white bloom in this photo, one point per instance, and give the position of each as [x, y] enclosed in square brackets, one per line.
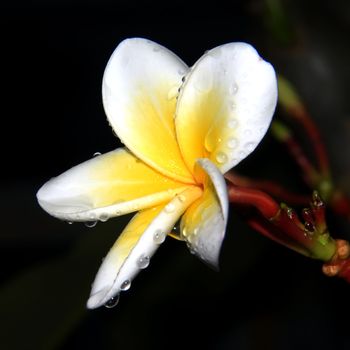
[183, 128]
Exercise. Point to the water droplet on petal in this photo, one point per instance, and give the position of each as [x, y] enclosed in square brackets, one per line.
[221, 157]
[182, 198]
[143, 261]
[135, 207]
[232, 123]
[69, 222]
[249, 146]
[247, 132]
[112, 302]
[156, 49]
[169, 208]
[262, 130]
[233, 89]
[159, 237]
[96, 154]
[90, 224]
[125, 285]
[176, 228]
[232, 106]
[242, 154]
[172, 93]
[232, 143]
[103, 217]
[191, 248]
[209, 143]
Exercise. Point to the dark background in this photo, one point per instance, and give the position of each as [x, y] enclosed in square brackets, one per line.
[53, 55]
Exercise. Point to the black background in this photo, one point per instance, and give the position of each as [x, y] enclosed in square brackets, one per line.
[53, 55]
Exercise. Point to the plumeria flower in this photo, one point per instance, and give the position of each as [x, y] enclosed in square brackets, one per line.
[182, 128]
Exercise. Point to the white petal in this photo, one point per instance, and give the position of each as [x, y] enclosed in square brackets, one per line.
[139, 91]
[137, 242]
[204, 224]
[225, 105]
[218, 182]
[109, 185]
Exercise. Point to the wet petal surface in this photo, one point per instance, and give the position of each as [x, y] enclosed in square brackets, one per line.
[136, 245]
[204, 223]
[139, 90]
[225, 105]
[108, 185]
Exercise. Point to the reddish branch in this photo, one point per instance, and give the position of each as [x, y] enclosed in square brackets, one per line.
[272, 188]
[306, 233]
[308, 236]
[301, 115]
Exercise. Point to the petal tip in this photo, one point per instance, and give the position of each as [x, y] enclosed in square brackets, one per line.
[97, 299]
[56, 198]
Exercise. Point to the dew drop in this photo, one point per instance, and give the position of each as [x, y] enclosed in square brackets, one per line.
[173, 92]
[182, 198]
[232, 106]
[112, 302]
[290, 213]
[169, 208]
[176, 228]
[262, 130]
[233, 89]
[191, 248]
[159, 237]
[156, 49]
[103, 217]
[309, 226]
[143, 261]
[232, 143]
[221, 157]
[69, 222]
[96, 154]
[249, 146]
[209, 143]
[242, 154]
[125, 285]
[90, 224]
[247, 132]
[232, 123]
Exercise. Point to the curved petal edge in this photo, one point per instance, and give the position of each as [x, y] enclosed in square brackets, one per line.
[119, 269]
